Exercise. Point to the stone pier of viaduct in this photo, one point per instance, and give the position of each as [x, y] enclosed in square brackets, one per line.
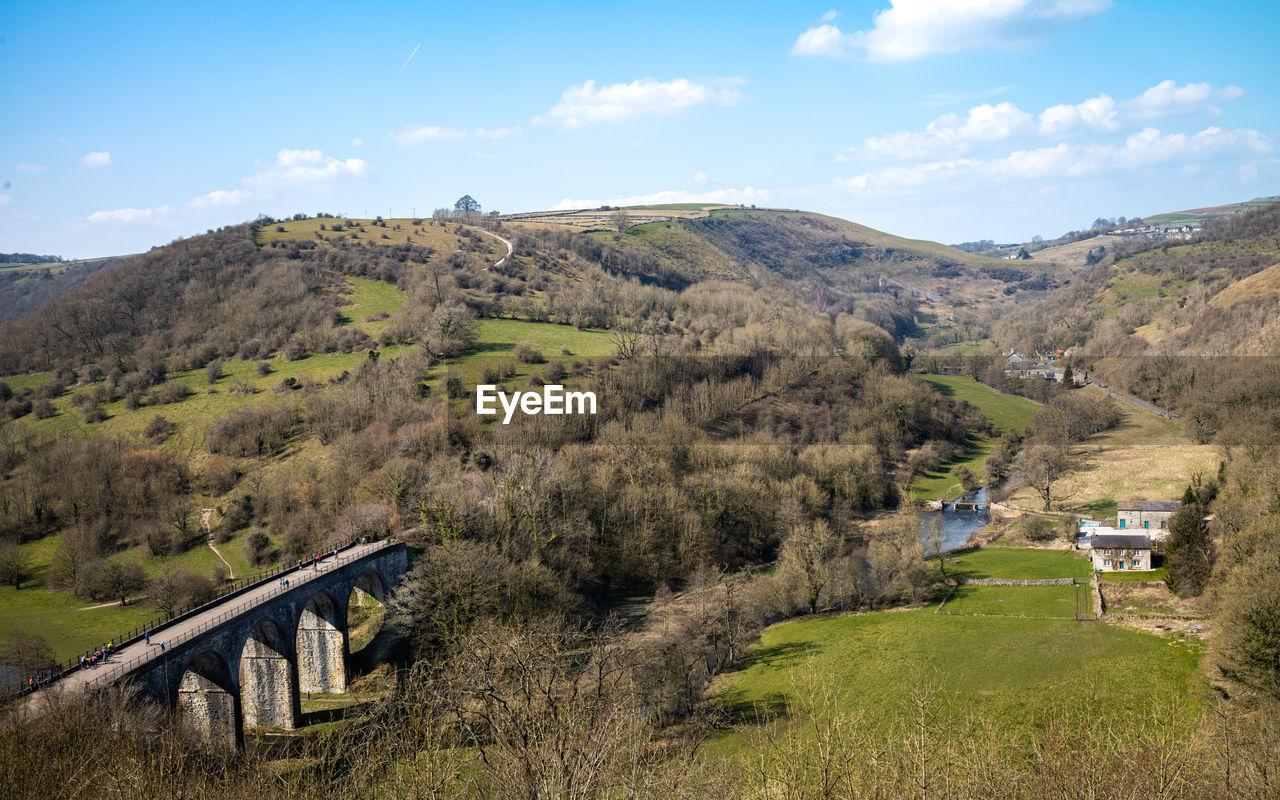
[248, 669]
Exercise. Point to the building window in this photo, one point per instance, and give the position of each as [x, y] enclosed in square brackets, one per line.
[1106, 562]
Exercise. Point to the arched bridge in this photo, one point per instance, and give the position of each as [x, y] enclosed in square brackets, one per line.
[244, 662]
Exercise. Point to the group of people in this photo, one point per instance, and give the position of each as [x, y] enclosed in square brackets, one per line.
[316, 558]
[98, 656]
[39, 679]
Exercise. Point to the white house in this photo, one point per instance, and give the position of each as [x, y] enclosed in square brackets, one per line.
[1121, 551]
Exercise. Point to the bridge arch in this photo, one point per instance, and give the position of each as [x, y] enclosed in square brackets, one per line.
[370, 583]
[322, 645]
[208, 703]
[268, 682]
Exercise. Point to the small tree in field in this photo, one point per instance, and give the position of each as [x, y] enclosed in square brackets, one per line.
[621, 220]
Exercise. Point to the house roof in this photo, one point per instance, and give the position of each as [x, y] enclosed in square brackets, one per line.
[1121, 541]
[1149, 505]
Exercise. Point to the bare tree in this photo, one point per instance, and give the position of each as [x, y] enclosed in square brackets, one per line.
[15, 565]
[621, 220]
[450, 329]
[1042, 467]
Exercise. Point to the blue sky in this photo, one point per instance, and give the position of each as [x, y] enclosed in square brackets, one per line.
[126, 125]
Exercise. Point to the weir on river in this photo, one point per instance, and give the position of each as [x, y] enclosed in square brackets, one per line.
[960, 519]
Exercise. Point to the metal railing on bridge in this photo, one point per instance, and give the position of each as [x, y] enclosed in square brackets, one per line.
[25, 684]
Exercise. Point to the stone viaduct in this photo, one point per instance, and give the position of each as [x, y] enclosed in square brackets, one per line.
[245, 661]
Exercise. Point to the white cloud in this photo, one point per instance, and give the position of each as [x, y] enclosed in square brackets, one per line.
[305, 167]
[497, 133]
[830, 15]
[221, 197]
[912, 29]
[1098, 113]
[23, 166]
[357, 142]
[824, 40]
[580, 105]
[417, 134]
[5, 199]
[131, 215]
[951, 135]
[1167, 99]
[1148, 147]
[700, 177]
[96, 159]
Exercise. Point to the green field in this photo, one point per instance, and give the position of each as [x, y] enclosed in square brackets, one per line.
[499, 337]
[369, 298]
[1005, 411]
[194, 414]
[1159, 574]
[942, 484]
[1001, 667]
[58, 616]
[1018, 563]
[1018, 601]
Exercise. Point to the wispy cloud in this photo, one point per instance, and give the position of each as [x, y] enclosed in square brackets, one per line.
[417, 134]
[955, 98]
[23, 166]
[96, 159]
[1147, 147]
[497, 133]
[131, 215]
[588, 103]
[222, 197]
[912, 29]
[305, 167]
[410, 58]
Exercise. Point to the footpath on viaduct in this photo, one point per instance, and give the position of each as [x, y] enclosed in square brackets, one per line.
[244, 661]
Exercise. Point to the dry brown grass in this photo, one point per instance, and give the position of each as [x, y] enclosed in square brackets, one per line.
[442, 239]
[1146, 457]
[1073, 254]
[590, 219]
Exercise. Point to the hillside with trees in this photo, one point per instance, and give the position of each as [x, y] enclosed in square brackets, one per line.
[309, 382]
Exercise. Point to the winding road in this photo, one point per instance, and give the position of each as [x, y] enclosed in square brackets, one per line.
[510, 248]
[1137, 401]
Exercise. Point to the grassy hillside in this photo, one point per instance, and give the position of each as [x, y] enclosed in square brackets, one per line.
[981, 661]
[1006, 412]
[1016, 671]
[1199, 216]
[26, 287]
[1146, 457]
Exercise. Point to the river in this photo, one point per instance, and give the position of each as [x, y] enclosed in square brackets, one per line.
[957, 526]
